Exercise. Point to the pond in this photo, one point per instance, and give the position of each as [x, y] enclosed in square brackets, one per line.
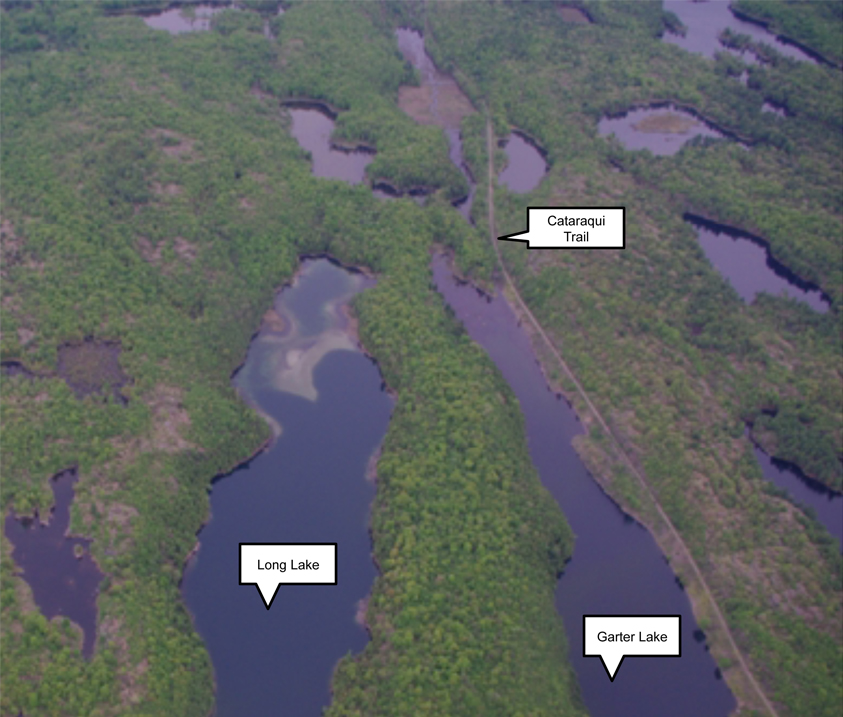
[525, 165]
[176, 20]
[312, 125]
[329, 410]
[661, 129]
[59, 569]
[706, 20]
[617, 568]
[747, 264]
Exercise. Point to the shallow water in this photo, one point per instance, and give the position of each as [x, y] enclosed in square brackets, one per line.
[62, 583]
[309, 486]
[748, 266]
[525, 166]
[617, 568]
[633, 129]
[774, 109]
[437, 101]
[176, 21]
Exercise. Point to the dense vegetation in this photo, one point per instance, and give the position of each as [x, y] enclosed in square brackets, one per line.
[660, 341]
[816, 25]
[153, 197]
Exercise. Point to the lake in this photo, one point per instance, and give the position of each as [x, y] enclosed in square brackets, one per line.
[616, 568]
[327, 401]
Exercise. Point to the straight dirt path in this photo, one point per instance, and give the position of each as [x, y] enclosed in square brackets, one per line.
[715, 608]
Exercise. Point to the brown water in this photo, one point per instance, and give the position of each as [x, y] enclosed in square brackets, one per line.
[438, 101]
[525, 165]
[573, 15]
[62, 583]
[746, 263]
[92, 366]
[616, 568]
[706, 20]
[640, 129]
[312, 128]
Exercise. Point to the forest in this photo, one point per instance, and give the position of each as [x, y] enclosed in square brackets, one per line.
[129, 154]
[682, 366]
[154, 200]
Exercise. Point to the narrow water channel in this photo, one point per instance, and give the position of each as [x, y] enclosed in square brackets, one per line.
[826, 504]
[59, 569]
[438, 101]
[617, 568]
[305, 374]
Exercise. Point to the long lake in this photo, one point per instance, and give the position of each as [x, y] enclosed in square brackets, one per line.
[303, 372]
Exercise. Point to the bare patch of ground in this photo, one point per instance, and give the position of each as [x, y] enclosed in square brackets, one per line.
[256, 91]
[174, 144]
[149, 251]
[10, 243]
[132, 685]
[169, 417]
[185, 250]
[169, 190]
[25, 336]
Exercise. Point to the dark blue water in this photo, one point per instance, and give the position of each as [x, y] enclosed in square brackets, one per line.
[617, 568]
[747, 264]
[59, 569]
[826, 504]
[309, 487]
